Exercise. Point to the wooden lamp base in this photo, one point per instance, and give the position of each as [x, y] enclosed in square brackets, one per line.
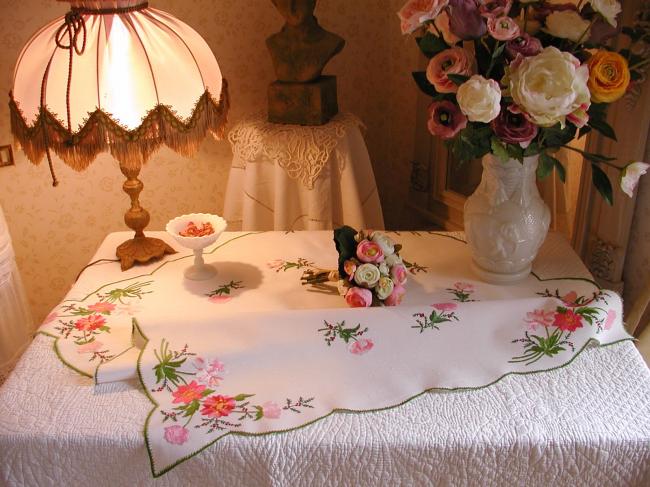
[140, 249]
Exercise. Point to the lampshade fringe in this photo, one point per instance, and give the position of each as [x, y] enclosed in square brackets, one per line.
[132, 148]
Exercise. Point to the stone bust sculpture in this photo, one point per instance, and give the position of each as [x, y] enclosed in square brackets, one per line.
[302, 48]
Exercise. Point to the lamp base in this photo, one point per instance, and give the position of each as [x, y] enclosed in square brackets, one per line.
[141, 250]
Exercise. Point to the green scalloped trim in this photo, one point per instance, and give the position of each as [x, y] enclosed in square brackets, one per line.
[133, 321]
[156, 406]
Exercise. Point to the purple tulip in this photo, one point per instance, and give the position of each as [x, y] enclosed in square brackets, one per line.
[525, 44]
[445, 119]
[465, 20]
[512, 127]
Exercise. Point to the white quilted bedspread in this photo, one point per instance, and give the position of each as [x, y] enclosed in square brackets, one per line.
[586, 424]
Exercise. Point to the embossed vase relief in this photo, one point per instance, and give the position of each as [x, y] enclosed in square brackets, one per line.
[506, 220]
[302, 95]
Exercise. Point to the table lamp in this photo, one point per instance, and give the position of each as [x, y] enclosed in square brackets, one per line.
[117, 76]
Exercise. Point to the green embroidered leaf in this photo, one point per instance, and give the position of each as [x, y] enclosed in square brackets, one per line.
[241, 397]
[105, 328]
[191, 408]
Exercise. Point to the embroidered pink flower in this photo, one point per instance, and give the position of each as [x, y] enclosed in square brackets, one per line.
[51, 317]
[570, 298]
[102, 307]
[90, 323]
[218, 406]
[503, 28]
[567, 320]
[188, 393]
[276, 264]
[370, 252]
[445, 307]
[176, 434]
[90, 347]
[271, 410]
[361, 346]
[219, 299]
[399, 274]
[415, 12]
[455, 60]
[609, 319]
[396, 296]
[358, 297]
[539, 317]
[464, 287]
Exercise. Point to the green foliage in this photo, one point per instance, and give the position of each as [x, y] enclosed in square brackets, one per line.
[546, 165]
[457, 79]
[427, 88]
[430, 44]
[602, 183]
[346, 246]
[598, 120]
[473, 142]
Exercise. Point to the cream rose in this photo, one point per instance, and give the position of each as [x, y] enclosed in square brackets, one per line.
[367, 275]
[385, 243]
[479, 99]
[609, 9]
[567, 24]
[384, 287]
[549, 86]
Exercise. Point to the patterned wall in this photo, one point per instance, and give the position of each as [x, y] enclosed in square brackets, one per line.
[56, 230]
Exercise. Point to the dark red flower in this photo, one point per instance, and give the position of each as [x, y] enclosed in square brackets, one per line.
[525, 44]
[465, 20]
[512, 127]
[445, 119]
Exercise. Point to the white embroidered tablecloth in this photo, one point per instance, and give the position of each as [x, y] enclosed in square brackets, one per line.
[601, 402]
[291, 177]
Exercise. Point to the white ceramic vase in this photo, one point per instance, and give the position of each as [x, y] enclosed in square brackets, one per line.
[506, 220]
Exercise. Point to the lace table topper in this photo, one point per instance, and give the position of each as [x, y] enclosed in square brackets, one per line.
[302, 151]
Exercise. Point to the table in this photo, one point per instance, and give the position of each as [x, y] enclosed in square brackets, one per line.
[288, 177]
[588, 424]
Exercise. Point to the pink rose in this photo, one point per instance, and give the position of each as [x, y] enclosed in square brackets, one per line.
[358, 297]
[630, 176]
[102, 307]
[219, 299]
[503, 28]
[91, 347]
[271, 410]
[350, 266]
[399, 274]
[176, 434]
[361, 346]
[610, 319]
[415, 12]
[464, 287]
[368, 251]
[445, 119]
[90, 323]
[445, 307]
[455, 60]
[396, 296]
[539, 317]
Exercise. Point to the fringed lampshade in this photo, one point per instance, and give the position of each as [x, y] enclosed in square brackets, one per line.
[117, 76]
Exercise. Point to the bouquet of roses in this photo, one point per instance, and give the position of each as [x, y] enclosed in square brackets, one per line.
[521, 78]
[370, 270]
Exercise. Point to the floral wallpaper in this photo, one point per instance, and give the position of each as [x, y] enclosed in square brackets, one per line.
[56, 230]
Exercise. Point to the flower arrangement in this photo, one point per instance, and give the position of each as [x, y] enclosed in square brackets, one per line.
[521, 78]
[370, 270]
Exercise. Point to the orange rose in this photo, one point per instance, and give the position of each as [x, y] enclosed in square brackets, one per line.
[609, 76]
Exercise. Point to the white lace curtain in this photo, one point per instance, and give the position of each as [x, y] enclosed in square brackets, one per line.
[15, 318]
